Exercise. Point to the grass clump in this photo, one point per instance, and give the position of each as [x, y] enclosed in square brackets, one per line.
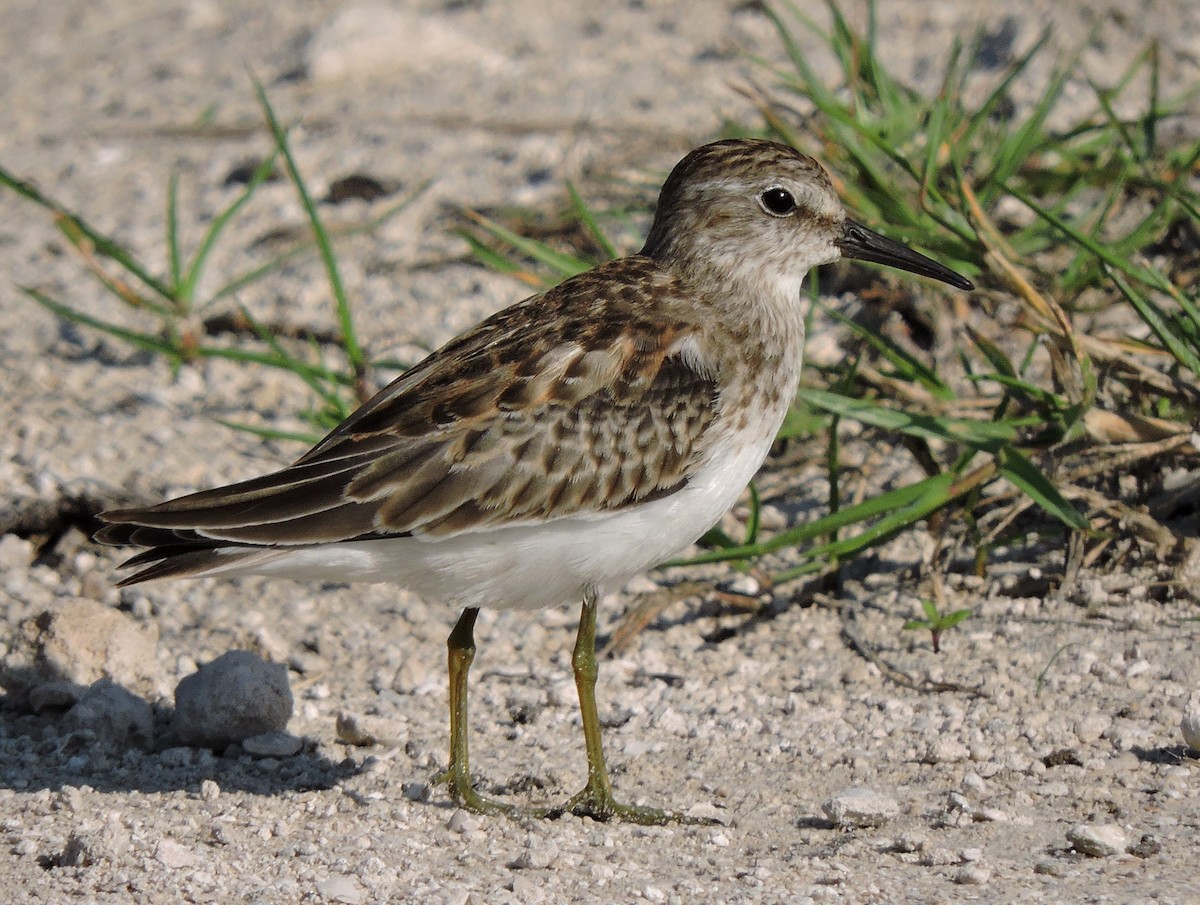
[1036, 416]
[179, 323]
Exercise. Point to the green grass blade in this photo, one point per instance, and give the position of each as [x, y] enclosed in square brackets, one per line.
[907, 366]
[270, 433]
[900, 499]
[136, 338]
[174, 264]
[261, 174]
[1156, 320]
[1026, 477]
[588, 219]
[102, 244]
[564, 265]
[350, 344]
[985, 435]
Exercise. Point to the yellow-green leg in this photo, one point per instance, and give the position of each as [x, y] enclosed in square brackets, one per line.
[460, 647]
[596, 800]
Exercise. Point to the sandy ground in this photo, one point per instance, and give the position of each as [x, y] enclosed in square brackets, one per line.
[1063, 710]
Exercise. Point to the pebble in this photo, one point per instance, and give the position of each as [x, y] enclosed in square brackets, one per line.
[117, 717]
[350, 729]
[235, 697]
[273, 744]
[460, 821]
[945, 750]
[60, 695]
[342, 888]
[973, 875]
[81, 641]
[709, 812]
[170, 853]
[1189, 724]
[860, 807]
[1099, 840]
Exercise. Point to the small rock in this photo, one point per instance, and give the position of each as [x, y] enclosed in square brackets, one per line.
[171, 854]
[61, 695]
[1099, 840]
[209, 790]
[860, 807]
[1146, 847]
[273, 744]
[350, 730]
[939, 857]
[342, 888]
[460, 821]
[118, 717]
[78, 852]
[1049, 867]
[79, 642]
[412, 674]
[973, 875]
[539, 854]
[237, 696]
[945, 750]
[16, 552]
[708, 813]
[989, 815]
[1189, 724]
[415, 791]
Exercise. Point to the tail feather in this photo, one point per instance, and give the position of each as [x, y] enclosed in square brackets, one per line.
[183, 561]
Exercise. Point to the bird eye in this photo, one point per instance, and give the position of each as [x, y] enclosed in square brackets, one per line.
[778, 202]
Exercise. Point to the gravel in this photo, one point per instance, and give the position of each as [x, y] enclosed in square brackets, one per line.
[1060, 728]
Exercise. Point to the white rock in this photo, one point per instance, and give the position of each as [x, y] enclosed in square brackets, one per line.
[342, 888]
[235, 697]
[945, 750]
[1100, 840]
[1189, 724]
[171, 854]
[81, 641]
[973, 875]
[860, 807]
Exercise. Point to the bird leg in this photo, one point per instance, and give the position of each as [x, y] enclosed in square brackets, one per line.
[461, 651]
[596, 799]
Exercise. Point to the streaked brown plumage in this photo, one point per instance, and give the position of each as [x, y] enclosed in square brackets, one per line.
[566, 443]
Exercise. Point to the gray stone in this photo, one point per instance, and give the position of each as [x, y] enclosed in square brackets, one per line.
[80, 641]
[235, 697]
[860, 807]
[117, 717]
[1189, 723]
[342, 888]
[60, 695]
[273, 744]
[1099, 840]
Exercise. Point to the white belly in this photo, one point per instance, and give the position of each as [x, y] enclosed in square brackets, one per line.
[531, 565]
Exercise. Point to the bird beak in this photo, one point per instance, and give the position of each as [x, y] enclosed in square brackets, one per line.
[867, 245]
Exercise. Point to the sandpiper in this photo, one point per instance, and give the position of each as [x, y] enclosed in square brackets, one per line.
[565, 444]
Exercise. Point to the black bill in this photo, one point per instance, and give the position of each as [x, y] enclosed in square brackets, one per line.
[864, 244]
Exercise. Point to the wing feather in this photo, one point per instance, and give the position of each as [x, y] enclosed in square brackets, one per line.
[603, 408]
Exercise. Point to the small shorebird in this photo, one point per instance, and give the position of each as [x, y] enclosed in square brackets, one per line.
[563, 445]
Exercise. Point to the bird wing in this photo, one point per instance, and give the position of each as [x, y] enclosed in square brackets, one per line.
[579, 401]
